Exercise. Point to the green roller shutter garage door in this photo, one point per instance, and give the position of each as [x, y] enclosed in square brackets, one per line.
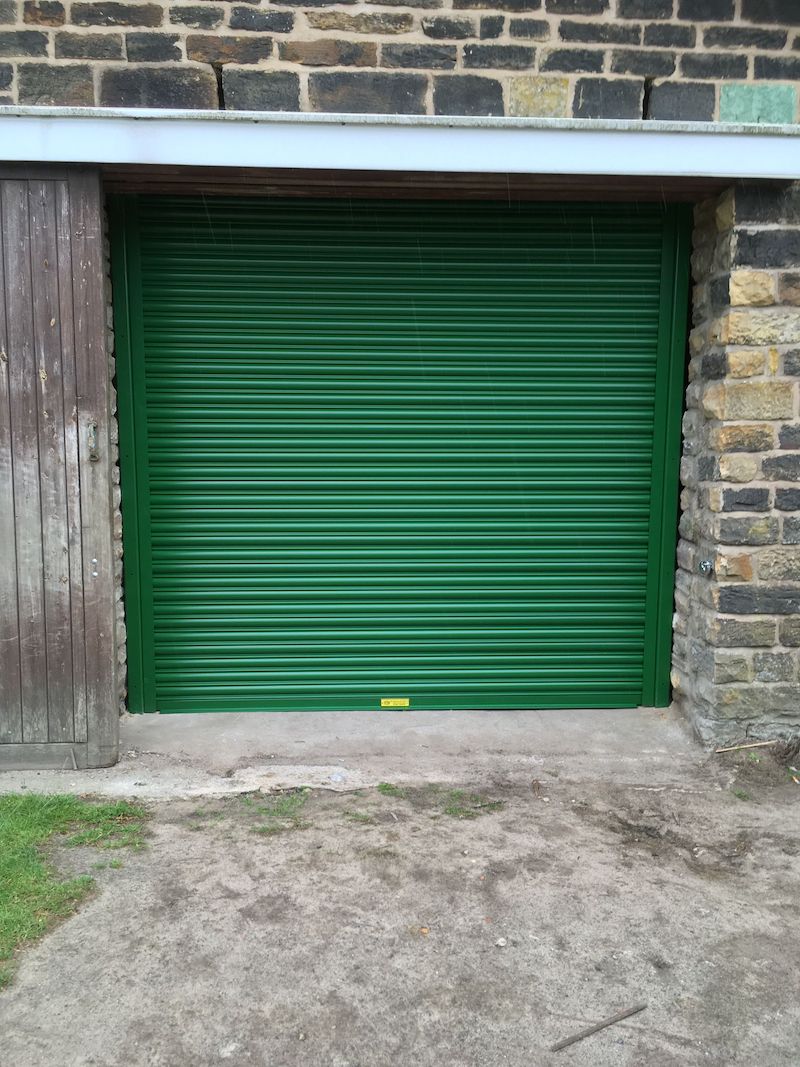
[398, 451]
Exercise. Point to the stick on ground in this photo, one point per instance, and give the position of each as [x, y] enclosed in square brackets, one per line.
[597, 1026]
[736, 748]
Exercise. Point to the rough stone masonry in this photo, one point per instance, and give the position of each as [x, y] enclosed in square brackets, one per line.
[731, 60]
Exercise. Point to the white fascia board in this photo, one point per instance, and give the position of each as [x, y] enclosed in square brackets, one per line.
[398, 143]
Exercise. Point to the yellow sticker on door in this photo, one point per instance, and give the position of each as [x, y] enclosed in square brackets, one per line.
[395, 702]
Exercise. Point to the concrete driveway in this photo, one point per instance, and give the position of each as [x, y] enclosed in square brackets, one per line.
[495, 898]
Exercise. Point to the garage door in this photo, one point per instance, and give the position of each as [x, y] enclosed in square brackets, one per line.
[398, 453]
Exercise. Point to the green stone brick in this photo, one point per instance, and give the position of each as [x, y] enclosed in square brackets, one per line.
[758, 103]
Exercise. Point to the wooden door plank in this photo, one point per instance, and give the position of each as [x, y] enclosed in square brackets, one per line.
[73, 481]
[52, 475]
[10, 682]
[25, 435]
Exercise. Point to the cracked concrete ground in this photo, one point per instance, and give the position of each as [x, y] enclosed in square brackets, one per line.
[504, 895]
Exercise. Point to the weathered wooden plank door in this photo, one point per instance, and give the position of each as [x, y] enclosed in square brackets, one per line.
[57, 658]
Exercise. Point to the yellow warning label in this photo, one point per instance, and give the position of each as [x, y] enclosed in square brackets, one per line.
[395, 702]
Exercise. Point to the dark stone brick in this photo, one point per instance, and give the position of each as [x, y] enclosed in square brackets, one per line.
[791, 363]
[714, 366]
[532, 29]
[706, 10]
[773, 666]
[771, 203]
[425, 56]
[759, 599]
[719, 292]
[23, 43]
[789, 436]
[784, 69]
[767, 248]
[498, 5]
[790, 632]
[326, 3]
[8, 12]
[660, 36]
[780, 12]
[467, 94]
[327, 52]
[760, 531]
[599, 32]
[742, 633]
[648, 64]
[491, 26]
[43, 13]
[573, 59]
[782, 468]
[261, 90]
[603, 98]
[576, 7]
[368, 93]
[713, 65]
[707, 468]
[217, 49]
[745, 499]
[495, 56]
[109, 13]
[6, 75]
[644, 9]
[67, 85]
[791, 531]
[197, 16]
[682, 102]
[448, 29]
[787, 499]
[248, 18]
[88, 46]
[152, 47]
[743, 37]
[175, 86]
[789, 289]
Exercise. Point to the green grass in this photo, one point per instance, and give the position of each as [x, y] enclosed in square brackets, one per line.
[32, 895]
[741, 794]
[358, 816]
[282, 810]
[461, 805]
[386, 789]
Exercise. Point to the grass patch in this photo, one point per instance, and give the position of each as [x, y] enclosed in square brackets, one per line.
[386, 789]
[32, 896]
[358, 816]
[282, 811]
[741, 794]
[462, 805]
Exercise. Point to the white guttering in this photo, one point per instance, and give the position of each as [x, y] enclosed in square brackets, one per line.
[397, 143]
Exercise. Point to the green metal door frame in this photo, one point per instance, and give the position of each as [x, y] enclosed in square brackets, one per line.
[131, 390]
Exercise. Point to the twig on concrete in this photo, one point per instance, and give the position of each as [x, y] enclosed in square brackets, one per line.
[598, 1026]
[754, 744]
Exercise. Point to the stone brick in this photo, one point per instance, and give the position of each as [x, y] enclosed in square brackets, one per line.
[743, 37]
[88, 46]
[599, 32]
[781, 68]
[425, 56]
[751, 288]
[773, 666]
[758, 103]
[742, 633]
[767, 248]
[173, 86]
[791, 531]
[758, 701]
[248, 18]
[67, 85]
[739, 566]
[779, 564]
[260, 90]
[111, 13]
[442, 29]
[6, 75]
[745, 499]
[498, 56]
[714, 65]
[576, 7]
[197, 16]
[152, 47]
[374, 93]
[467, 94]
[218, 49]
[644, 9]
[759, 599]
[782, 468]
[327, 52]
[491, 26]
[789, 435]
[745, 362]
[790, 632]
[748, 531]
[749, 400]
[706, 10]
[496, 5]
[8, 12]
[791, 363]
[771, 11]
[682, 102]
[16, 43]
[43, 13]
[714, 365]
[364, 22]
[737, 467]
[789, 289]
[787, 499]
[569, 60]
[763, 326]
[660, 36]
[731, 668]
[529, 29]
[648, 64]
[618, 98]
[545, 97]
[768, 203]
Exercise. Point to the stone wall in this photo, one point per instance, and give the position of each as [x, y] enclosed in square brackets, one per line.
[732, 60]
[737, 622]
